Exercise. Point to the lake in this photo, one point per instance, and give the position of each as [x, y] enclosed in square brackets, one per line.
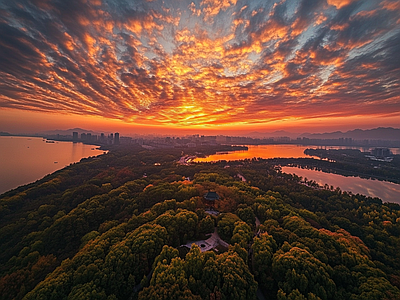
[26, 159]
[387, 191]
[273, 151]
[263, 151]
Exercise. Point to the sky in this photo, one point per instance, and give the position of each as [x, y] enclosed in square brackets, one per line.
[199, 66]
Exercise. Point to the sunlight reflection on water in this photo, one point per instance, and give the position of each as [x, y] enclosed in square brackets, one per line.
[387, 191]
[27, 159]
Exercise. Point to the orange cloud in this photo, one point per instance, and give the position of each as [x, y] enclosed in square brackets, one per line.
[211, 8]
[340, 3]
[214, 63]
[391, 5]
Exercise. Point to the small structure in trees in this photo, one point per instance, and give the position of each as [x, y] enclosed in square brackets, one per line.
[210, 198]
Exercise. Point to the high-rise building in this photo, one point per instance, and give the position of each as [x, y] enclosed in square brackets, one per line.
[102, 138]
[116, 138]
[110, 139]
[381, 152]
[74, 136]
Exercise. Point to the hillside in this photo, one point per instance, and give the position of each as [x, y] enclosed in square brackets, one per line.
[381, 133]
[113, 227]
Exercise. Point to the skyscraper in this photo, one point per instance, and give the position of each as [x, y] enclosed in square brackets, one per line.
[116, 138]
[75, 136]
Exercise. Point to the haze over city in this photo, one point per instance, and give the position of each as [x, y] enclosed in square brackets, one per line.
[210, 66]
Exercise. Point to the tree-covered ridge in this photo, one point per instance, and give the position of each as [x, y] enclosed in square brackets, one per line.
[110, 228]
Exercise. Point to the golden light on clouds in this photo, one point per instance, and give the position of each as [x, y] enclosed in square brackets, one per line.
[340, 3]
[199, 64]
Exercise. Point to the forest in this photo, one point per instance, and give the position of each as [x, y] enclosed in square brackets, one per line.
[113, 226]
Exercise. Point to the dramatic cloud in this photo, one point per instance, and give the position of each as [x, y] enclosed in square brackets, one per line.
[201, 62]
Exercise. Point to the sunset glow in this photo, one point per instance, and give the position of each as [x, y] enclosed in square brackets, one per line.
[206, 64]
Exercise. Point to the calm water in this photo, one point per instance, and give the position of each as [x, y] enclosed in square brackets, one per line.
[263, 151]
[387, 191]
[27, 159]
[272, 151]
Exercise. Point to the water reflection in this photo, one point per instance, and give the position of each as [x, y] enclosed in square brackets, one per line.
[263, 151]
[387, 191]
[273, 151]
[24, 160]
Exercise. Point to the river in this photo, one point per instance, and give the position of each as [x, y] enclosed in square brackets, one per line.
[26, 159]
[263, 151]
[273, 151]
[387, 191]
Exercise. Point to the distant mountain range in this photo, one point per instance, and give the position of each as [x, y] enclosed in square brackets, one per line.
[273, 134]
[69, 131]
[381, 133]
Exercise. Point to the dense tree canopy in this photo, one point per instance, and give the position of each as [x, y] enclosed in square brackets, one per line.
[113, 227]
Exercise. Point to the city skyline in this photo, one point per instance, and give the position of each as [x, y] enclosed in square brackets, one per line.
[209, 67]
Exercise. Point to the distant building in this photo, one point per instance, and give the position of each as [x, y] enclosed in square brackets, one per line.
[102, 138]
[381, 152]
[83, 136]
[75, 136]
[282, 139]
[116, 138]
